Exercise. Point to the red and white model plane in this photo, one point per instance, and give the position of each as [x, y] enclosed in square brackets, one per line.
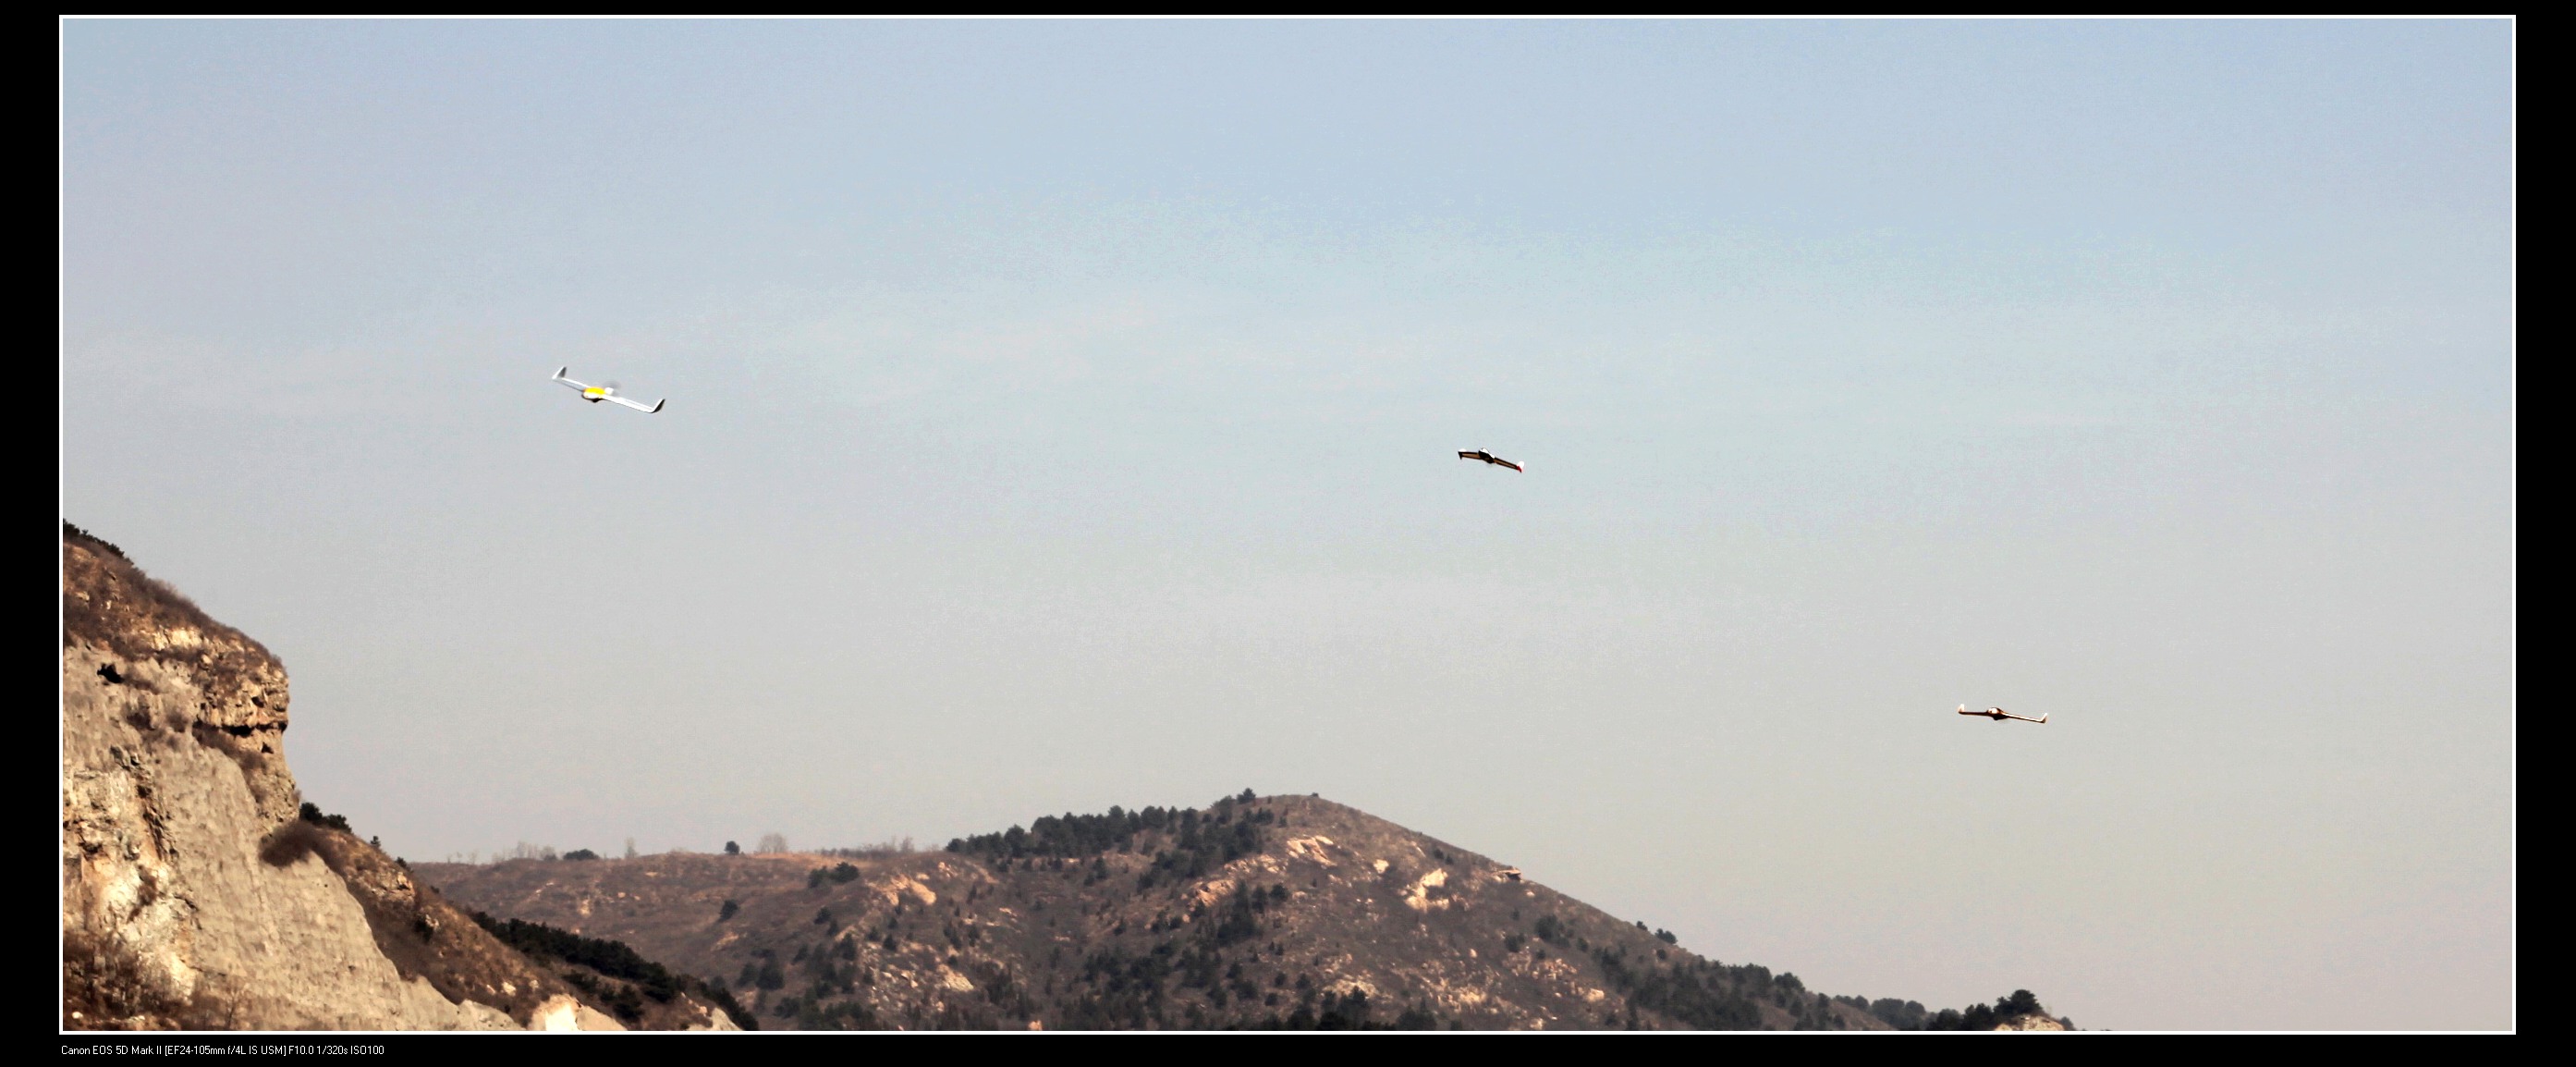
[608, 392]
[1999, 714]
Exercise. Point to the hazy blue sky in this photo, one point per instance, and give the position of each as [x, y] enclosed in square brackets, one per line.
[1063, 415]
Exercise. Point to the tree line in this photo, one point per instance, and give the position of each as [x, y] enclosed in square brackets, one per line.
[614, 959]
[1071, 836]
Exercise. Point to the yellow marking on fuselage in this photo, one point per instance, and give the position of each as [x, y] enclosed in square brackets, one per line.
[594, 391]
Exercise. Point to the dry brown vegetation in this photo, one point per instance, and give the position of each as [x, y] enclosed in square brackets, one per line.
[427, 937]
[110, 603]
[104, 986]
[1289, 912]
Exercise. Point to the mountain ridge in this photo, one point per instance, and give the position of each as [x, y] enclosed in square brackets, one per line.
[1289, 912]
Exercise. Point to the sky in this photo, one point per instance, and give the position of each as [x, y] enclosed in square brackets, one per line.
[1064, 414]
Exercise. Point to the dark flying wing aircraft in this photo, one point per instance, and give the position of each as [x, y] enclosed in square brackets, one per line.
[1999, 714]
[1490, 458]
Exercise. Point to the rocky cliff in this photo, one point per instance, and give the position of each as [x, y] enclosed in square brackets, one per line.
[193, 894]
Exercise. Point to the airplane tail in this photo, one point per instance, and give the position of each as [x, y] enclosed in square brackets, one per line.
[657, 406]
[559, 372]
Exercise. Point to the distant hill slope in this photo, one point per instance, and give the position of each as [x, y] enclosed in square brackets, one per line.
[1258, 912]
[199, 891]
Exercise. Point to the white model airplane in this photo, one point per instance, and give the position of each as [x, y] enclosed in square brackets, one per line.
[1999, 714]
[597, 393]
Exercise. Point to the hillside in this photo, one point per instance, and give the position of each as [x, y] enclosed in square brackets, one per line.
[200, 891]
[1258, 912]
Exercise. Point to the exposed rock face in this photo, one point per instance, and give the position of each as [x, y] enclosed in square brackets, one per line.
[193, 896]
[175, 669]
[2034, 1023]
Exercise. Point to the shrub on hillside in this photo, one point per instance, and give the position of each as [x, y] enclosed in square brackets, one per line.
[293, 840]
[841, 874]
[314, 814]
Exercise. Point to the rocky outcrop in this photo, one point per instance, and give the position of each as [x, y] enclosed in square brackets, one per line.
[2036, 1023]
[193, 896]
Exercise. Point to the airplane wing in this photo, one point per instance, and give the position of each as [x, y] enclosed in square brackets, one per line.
[1507, 463]
[657, 405]
[567, 382]
[2024, 718]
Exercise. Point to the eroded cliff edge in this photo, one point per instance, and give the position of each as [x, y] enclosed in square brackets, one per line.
[193, 896]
